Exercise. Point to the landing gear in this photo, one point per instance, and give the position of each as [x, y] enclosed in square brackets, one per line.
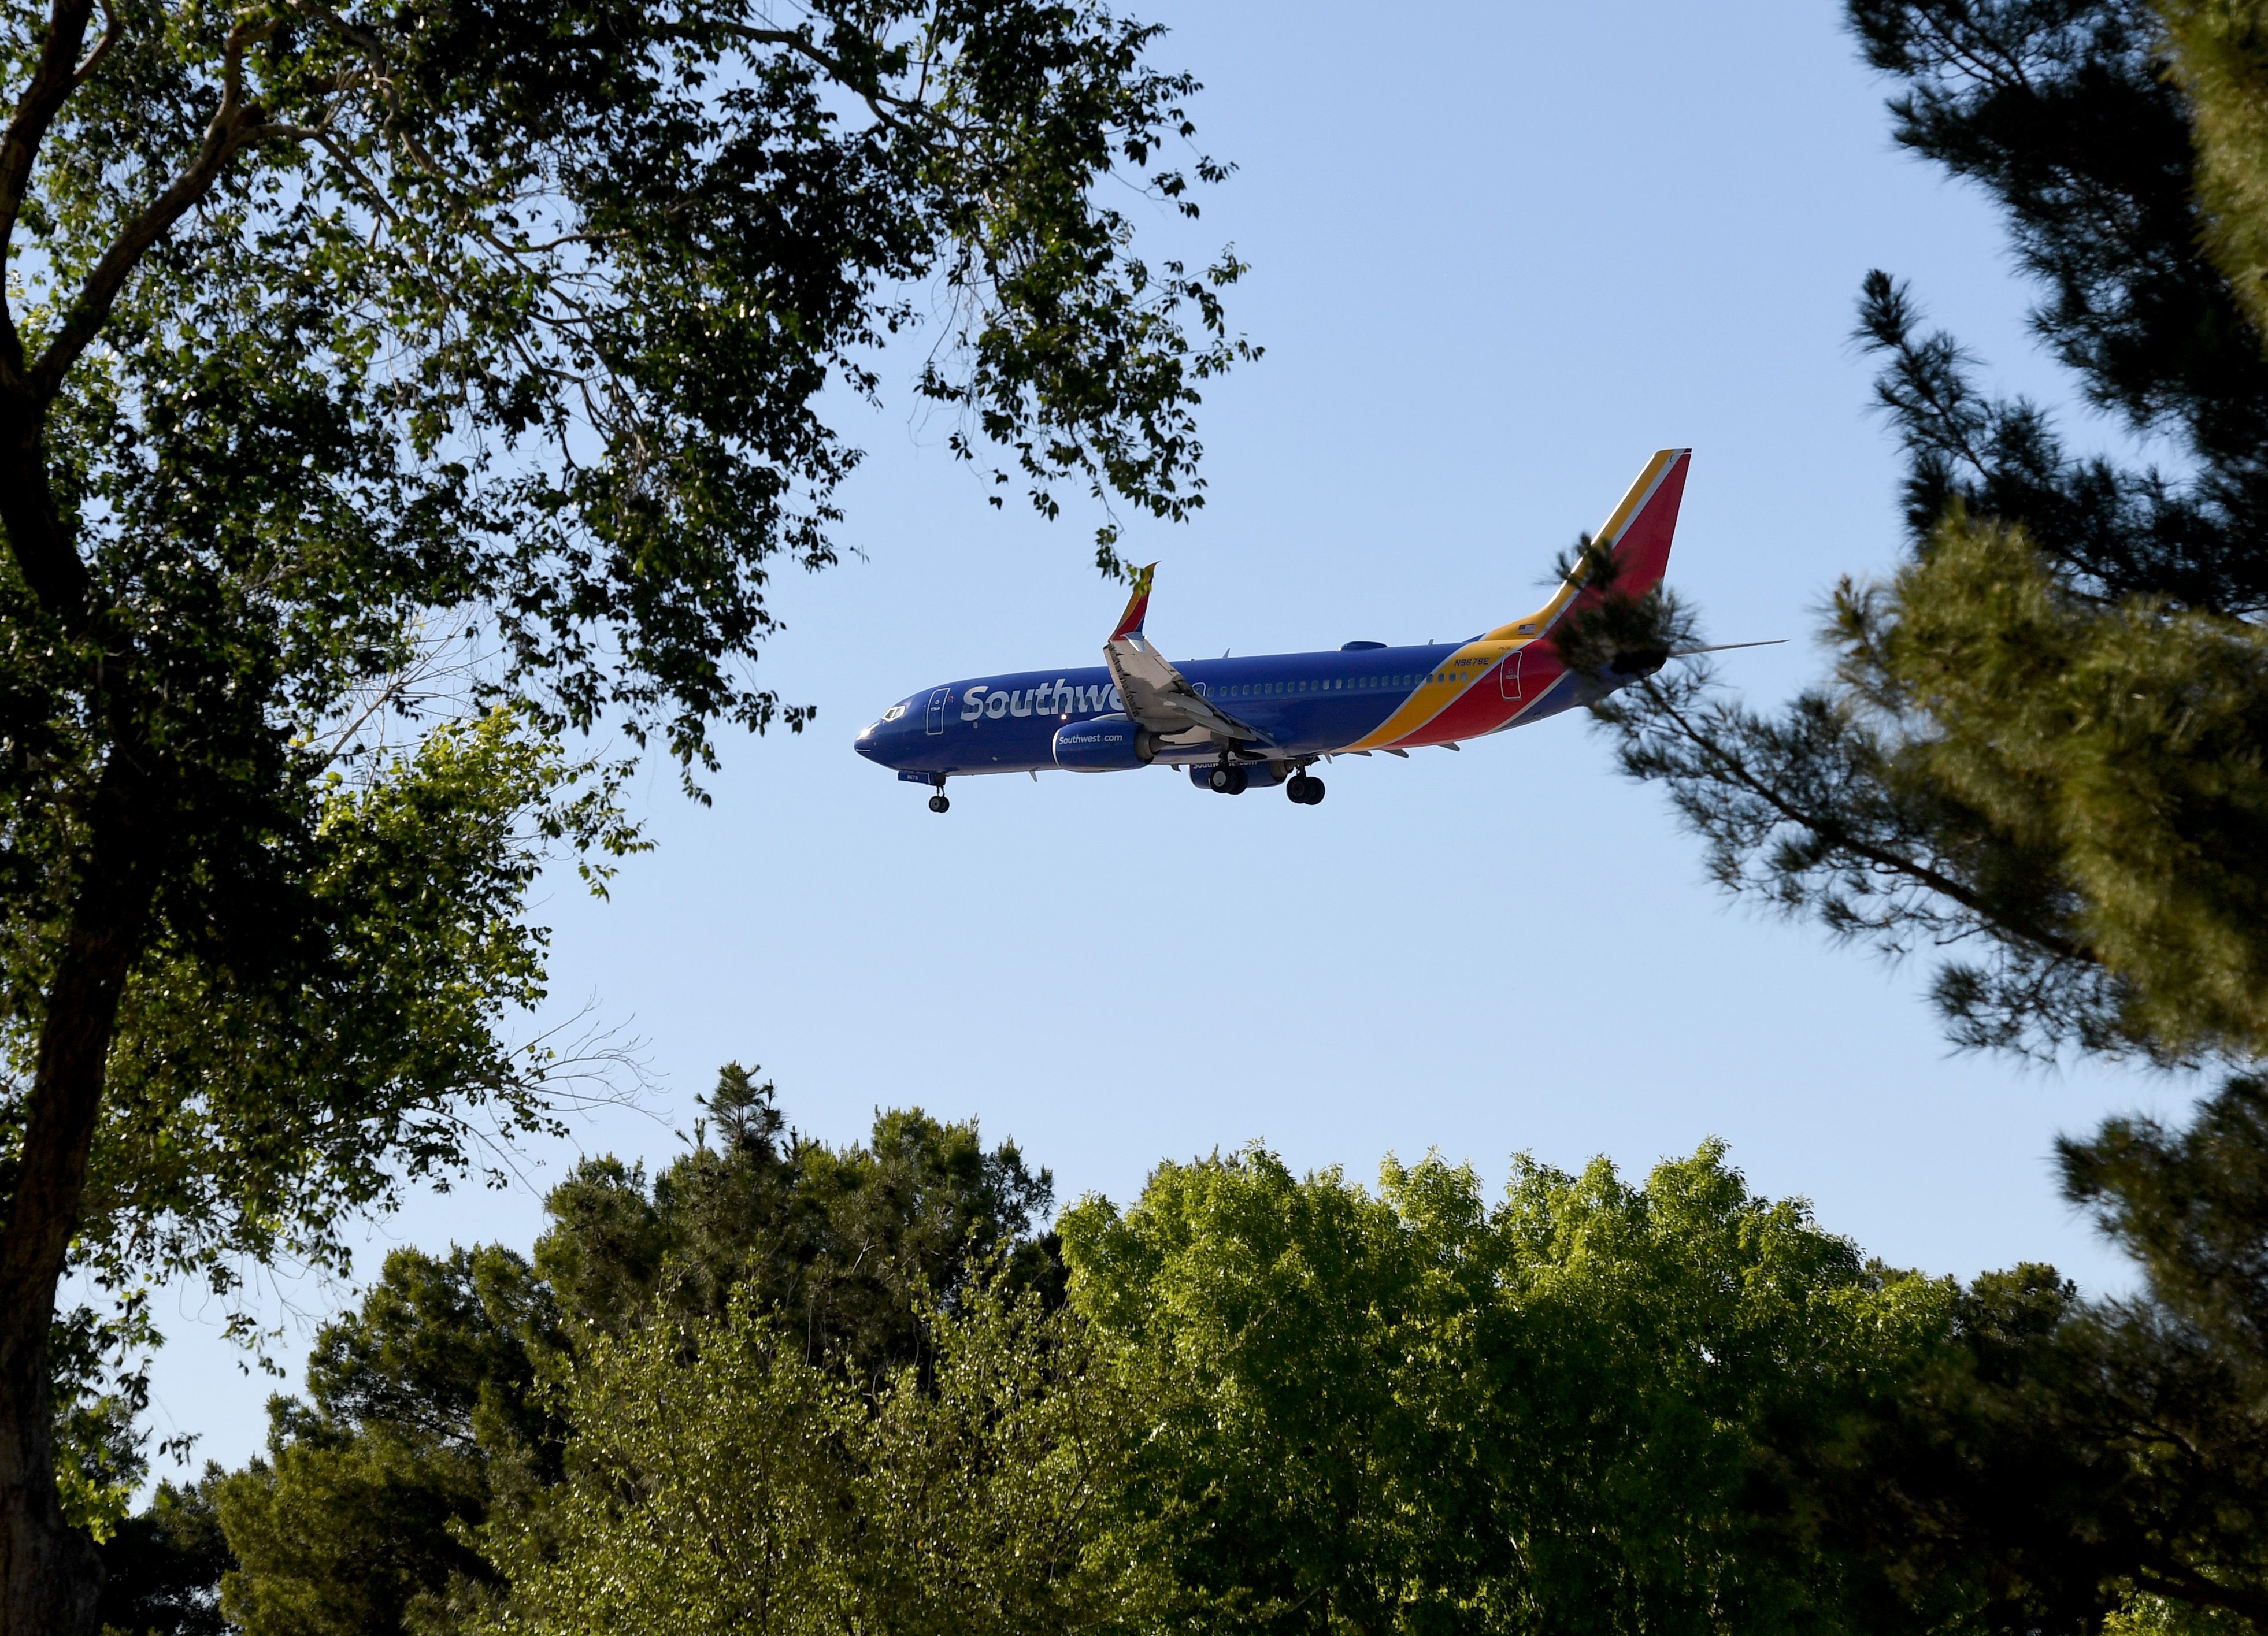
[1304, 790]
[937, 804]
[1226, 780]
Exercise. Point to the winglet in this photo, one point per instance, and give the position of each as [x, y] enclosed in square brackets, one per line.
[1137, 605]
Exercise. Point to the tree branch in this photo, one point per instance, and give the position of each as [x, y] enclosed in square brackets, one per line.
[881, 103]
[52, 83]
[1736, 771]
[234, 126]
[101, 47]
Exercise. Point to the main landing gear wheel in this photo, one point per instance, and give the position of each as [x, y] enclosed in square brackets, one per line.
[1226, 780]
[937, 804]
[1305, 791]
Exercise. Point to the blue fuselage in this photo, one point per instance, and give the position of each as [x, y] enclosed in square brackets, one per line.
[1307, 704]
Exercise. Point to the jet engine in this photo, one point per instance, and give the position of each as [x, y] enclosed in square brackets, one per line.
[1251, 775]
[1106, 744]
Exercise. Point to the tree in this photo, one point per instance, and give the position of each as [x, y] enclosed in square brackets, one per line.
[356, 1519]
[336, 342]
[2218, 51]
[845, 1245]
[161, 1571]
[2042, 746]
[1970, 797]
[1408, 1411]
[2054, 1461]
[430, 1449]
[718, 1480]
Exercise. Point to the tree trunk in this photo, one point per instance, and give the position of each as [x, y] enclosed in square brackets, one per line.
[49, 1577]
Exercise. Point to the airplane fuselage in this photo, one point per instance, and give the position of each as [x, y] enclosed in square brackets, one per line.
[1359, 697]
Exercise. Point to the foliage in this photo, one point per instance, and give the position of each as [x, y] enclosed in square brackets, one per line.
[719, 1481]
[99, 1446]
[2059, 1461]
[844, 1243]
[2191, 1206]
[161, 1571]
[250, 1106]
[426, 1429]
[2218, 52]
[2123, 743]
[354, 1522]
[1259, 1402]
[2041, 751]
[336, 342]
[1408, 1411]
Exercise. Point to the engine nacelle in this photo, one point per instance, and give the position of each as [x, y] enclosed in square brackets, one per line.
[1106, 744]
[1251, 775]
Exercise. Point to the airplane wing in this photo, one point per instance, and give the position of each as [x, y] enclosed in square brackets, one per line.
[1157, 696]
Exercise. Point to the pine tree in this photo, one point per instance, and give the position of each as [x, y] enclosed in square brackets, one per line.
[1883, 801]
[2218, 51]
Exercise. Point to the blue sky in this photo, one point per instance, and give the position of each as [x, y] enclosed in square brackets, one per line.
[1500, 255]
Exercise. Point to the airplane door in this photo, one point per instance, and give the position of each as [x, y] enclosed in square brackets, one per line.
[1510, 673]
[937, 711]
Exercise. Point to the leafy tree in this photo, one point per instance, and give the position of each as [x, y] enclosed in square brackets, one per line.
[2056, 1462]
[718, 1480]
[845, 1243]
[1408, 1411]
[2188, 1360]
[427, 1427]
[336, 342]
[162, 1568]
[356, 1520]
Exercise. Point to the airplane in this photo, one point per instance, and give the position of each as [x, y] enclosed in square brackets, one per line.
[1244, 724]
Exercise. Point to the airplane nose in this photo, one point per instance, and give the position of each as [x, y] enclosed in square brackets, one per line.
[869, 743]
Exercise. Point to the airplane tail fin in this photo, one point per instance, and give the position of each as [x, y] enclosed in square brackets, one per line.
[1634, 540]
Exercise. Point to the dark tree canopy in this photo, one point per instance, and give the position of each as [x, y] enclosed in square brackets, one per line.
[2063, 114]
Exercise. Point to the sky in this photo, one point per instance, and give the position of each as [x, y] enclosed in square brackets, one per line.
[1500, 255]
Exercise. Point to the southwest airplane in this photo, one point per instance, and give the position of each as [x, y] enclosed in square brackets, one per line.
[1237, 723]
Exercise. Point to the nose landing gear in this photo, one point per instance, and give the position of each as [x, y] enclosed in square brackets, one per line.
[937, 804]
[937, 801]
[1305, 789]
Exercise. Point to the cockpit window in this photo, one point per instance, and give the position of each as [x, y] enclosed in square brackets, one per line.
[894, 713]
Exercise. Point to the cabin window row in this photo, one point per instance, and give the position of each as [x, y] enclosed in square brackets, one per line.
[1256, 689]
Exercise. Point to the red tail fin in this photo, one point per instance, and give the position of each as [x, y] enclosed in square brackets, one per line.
[1636, 536]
